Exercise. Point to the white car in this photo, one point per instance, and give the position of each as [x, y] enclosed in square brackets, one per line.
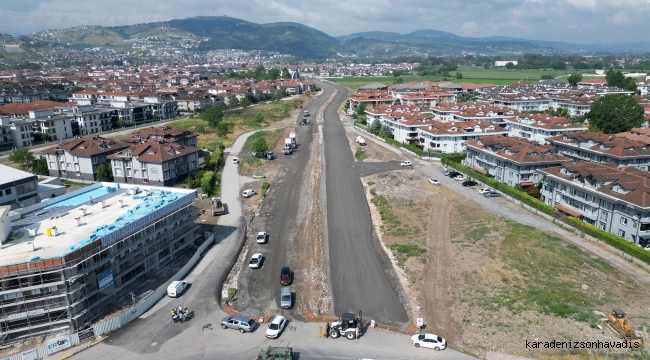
[460, 178]
[405, 163]
[235, 160]
[430, 341]
[482, 191]
[261, 237]
[256, 261]
[276, 326]
[434, 182]
[248, 193]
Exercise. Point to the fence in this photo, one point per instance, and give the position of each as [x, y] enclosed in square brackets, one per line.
[49, 347]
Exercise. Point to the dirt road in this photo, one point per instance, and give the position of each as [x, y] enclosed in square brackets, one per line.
[437, 290]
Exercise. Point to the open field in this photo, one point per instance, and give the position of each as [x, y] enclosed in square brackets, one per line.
[490, 284]
[475, 75]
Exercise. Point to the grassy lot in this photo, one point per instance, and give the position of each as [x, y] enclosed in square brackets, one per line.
[249, 166]
[360, 154]
[475, 75]
[271, 136]
[241, 121]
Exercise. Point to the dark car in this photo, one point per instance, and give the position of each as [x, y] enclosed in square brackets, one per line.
[453, 174]
[353, 116]
[285, 276]
[469, 183]
[490, 194]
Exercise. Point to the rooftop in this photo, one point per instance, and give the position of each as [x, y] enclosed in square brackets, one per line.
[106, 223]
[9, 174]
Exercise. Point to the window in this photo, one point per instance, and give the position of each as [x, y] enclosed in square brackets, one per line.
[8, 192]
[621, 233]
[624, 207]
[623, 221]
[118, 171]
[128, 172]
[603, 216]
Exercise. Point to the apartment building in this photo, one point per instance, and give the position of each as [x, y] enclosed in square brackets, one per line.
[510, 160]
[371, 98]
[166, 134]
[540, 127]
[404, 123]
[523, 102]
[624, 149]
[21, 131]
[80, 158]
[90, 118]
[154, 162]
[6, 136]
[451, 137]
[18, 189]
[94, 246]
[56, 126]
[604, 195]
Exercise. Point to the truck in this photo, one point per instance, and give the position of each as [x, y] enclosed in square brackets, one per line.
[287, 150]
[217, 206]
[361, 141]
[275, 353]
[292, 136]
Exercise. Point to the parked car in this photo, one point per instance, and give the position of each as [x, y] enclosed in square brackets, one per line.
[261, 237]
[259, 176]
[353, 116]
[285, 276]
[460, 177]
[405, 163]
[269, 155]
[276, 326]
[248, 193]
[434, 181]
[241, 323]
[490, 194]
[235, 160]
[430, 341]
[469, 183]
[286, 300]
[453, 174]
[176, 288]
[256, 261]
[482, 191]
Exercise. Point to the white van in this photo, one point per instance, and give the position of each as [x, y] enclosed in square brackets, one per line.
[176, 288]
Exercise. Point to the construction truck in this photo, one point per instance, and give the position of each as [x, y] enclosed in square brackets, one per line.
[361, 141]
[292, 136]
[217, 206]
[618, 324]
[348, 325]
[273, 353]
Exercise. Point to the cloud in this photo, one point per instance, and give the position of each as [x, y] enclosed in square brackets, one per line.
[619, 19]
[534, 19]
[469, 28]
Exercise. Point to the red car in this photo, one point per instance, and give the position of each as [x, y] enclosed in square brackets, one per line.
[285, 276]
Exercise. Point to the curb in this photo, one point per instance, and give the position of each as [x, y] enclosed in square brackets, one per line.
[82, 349]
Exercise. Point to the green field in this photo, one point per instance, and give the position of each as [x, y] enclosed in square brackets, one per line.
[475, 75]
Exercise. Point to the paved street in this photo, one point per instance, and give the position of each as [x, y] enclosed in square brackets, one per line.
[281, 216]
[360, 276]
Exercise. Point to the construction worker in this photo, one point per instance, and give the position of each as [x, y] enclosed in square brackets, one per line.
[174, 314]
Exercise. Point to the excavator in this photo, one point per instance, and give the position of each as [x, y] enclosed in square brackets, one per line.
[618, 324]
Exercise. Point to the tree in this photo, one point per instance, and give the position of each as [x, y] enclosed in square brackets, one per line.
[40, 167]
[397, 101]
[361, 109]
[375, 127]
[120, 122]
[102, 173]
[616, 78]
[614, 113]
[260, 147]
[207, 162]
[385, 132]
[285, 73]
[459, 75]
[76, 89]
[259, 117]
[45, 136]
[547, 77]
[234, 102]
[207, 182]
[190, 182]
[244, 102]
[23, 157]
[574, 79]
[213, 115]
[398, 80]
[510, 65]
[223, 129]
[273, 74]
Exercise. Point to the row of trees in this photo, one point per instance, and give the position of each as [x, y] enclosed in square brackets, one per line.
[261, 73]
[381, 130]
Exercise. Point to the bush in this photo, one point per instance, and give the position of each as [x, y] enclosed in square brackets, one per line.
[265, 188]
[611, 239]
[362, 126]
[208, 182]
[360, 154]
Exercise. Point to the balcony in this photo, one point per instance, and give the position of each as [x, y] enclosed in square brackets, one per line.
[575, 155]
[486, 161]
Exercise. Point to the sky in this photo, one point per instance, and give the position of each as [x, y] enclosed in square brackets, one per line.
[576, 21]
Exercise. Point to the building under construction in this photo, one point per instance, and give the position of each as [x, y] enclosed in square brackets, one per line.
[66, 260]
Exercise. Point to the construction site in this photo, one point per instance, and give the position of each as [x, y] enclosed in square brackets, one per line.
[66, 260]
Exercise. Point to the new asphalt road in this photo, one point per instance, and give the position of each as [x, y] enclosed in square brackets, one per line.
[360, 275]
